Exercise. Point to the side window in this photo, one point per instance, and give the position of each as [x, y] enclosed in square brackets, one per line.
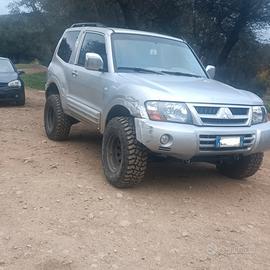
[93, 43]
[68, 45]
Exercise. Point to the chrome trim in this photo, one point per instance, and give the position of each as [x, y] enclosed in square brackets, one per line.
[223, 116]
[208, 143]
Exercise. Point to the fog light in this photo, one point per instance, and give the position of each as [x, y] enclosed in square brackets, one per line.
[165, 139]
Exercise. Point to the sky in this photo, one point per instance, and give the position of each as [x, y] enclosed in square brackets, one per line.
[3, 6]
[264, 35]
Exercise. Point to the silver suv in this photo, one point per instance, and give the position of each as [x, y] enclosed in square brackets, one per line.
[150, 94]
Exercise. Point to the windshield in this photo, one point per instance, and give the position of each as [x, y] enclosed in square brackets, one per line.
[141, 53]
[5, 66]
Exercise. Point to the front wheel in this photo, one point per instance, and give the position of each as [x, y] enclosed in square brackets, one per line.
[244, 167]
[21, 100]
[124, 158]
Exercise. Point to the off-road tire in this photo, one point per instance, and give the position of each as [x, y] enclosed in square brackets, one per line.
[243, 168]
[57, 123]
[21, 101]
[124, 158]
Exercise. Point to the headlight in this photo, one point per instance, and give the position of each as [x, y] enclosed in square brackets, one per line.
[15, 84]
[259, 115]
[168, 111]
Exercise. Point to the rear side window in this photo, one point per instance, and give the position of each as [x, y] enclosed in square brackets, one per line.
[93, 43]
[67, 45]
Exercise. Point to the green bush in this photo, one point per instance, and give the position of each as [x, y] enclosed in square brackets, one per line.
[268, 107]
[35, 81]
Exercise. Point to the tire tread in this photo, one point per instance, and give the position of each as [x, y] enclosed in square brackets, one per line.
[63, 122]
[246, 167]
[137, 154]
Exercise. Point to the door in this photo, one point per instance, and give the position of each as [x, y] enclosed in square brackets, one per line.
[87, 86]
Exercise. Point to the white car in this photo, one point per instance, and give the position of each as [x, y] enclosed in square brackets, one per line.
[149, 93]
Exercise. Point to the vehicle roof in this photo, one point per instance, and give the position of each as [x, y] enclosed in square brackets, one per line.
[110, 30]
[3, 58]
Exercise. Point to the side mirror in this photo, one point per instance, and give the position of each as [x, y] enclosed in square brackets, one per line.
[93, 61]
[21, 72]
[211, 71]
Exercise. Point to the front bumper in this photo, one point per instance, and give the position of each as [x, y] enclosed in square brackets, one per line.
[10, 94]
[188, 140]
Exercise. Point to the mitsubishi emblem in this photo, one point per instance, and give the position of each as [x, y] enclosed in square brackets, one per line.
[225, 113]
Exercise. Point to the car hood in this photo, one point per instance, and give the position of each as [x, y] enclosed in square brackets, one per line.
[190, 89]
[8, 77]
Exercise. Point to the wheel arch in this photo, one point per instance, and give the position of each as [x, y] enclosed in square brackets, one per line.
[52, 89]
[115, 111]
[122, 106]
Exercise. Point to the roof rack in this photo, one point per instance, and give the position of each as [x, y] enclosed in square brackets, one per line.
[88, 24]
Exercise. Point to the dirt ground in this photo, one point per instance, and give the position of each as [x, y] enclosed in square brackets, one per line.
[57, 212]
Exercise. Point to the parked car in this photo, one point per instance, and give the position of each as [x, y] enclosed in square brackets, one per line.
[11, 84]
[149, 93]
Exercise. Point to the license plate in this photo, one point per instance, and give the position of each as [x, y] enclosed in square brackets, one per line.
[227, 142]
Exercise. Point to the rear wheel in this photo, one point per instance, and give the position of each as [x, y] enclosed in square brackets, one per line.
[244, 167]
[124, 158]
[57, 123]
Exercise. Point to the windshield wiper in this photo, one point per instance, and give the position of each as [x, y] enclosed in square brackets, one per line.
[143, 70]
[177, 73]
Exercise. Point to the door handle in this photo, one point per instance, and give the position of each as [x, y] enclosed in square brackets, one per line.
[75, 73]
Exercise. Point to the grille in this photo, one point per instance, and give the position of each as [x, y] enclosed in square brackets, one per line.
[239, 111]
[214, 121]
[223, 116]
[206, 110]
[165, 149]
[208, 143]
[3, 84]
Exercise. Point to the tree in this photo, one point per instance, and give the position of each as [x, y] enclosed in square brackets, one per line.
[219, 31]
[228, 20]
